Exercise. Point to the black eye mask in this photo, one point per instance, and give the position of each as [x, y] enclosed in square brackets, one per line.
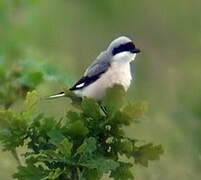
[128, 47]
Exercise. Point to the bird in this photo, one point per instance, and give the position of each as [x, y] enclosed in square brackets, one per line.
[112, 66]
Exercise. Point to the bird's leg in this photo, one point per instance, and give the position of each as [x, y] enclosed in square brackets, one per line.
[103, 108]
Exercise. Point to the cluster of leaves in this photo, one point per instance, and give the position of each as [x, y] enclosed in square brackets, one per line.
[85, 144]
[24, 76]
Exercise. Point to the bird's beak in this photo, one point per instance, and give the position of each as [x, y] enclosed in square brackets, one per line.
[136, 51]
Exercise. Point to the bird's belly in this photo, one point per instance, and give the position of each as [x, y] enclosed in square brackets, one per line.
[114, 75]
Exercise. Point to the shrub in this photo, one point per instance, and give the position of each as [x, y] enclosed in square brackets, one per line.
[84, 144]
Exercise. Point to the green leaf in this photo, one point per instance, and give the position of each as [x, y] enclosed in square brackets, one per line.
[122, 172]
[77, 129]
[31, 102]
[147, 153]
[101, 164]
[35, 78]
[114, 99]
[55, 136]
[13, 129]
[126, 146]
[80, 149]
[91, 145]
[54, 174]
[5, 118]
[29, 66]
[90, 108]
[93, 174]
[92, 160]
[52, 73]
[65, 147]
[88, 149]
[30, 172]
[120, 118]
[73, 116]
[31, 80]
[136, 111]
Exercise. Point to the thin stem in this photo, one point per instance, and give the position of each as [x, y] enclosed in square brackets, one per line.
[14, 151]
[16, 156]
[74, 174]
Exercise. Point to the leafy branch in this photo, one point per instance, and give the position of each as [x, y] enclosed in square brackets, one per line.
[84, 144]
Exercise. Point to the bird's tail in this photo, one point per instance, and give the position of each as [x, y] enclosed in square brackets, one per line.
[61, 94]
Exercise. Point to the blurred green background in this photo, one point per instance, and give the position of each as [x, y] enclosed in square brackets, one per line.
[70, 34]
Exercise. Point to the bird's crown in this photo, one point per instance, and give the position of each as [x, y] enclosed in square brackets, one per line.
[122, 44]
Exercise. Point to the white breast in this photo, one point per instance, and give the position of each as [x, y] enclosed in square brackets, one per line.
[118, 73]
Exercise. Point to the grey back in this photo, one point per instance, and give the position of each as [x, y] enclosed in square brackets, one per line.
[101, 64]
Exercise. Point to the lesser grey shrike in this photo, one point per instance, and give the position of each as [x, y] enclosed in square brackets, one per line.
[112, 66]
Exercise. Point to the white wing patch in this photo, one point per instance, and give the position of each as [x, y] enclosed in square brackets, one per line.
[80, 85]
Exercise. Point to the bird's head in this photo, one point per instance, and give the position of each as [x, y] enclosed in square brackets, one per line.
[122, 49]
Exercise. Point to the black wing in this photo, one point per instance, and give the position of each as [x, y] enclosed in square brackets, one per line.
[85, 81]
[94, 72]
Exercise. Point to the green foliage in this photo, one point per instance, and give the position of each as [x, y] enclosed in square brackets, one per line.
[147, 152]
[114, 99]
[123, 172]
[24, 76]
[84, 144]
[30, 104]
[34, 28]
